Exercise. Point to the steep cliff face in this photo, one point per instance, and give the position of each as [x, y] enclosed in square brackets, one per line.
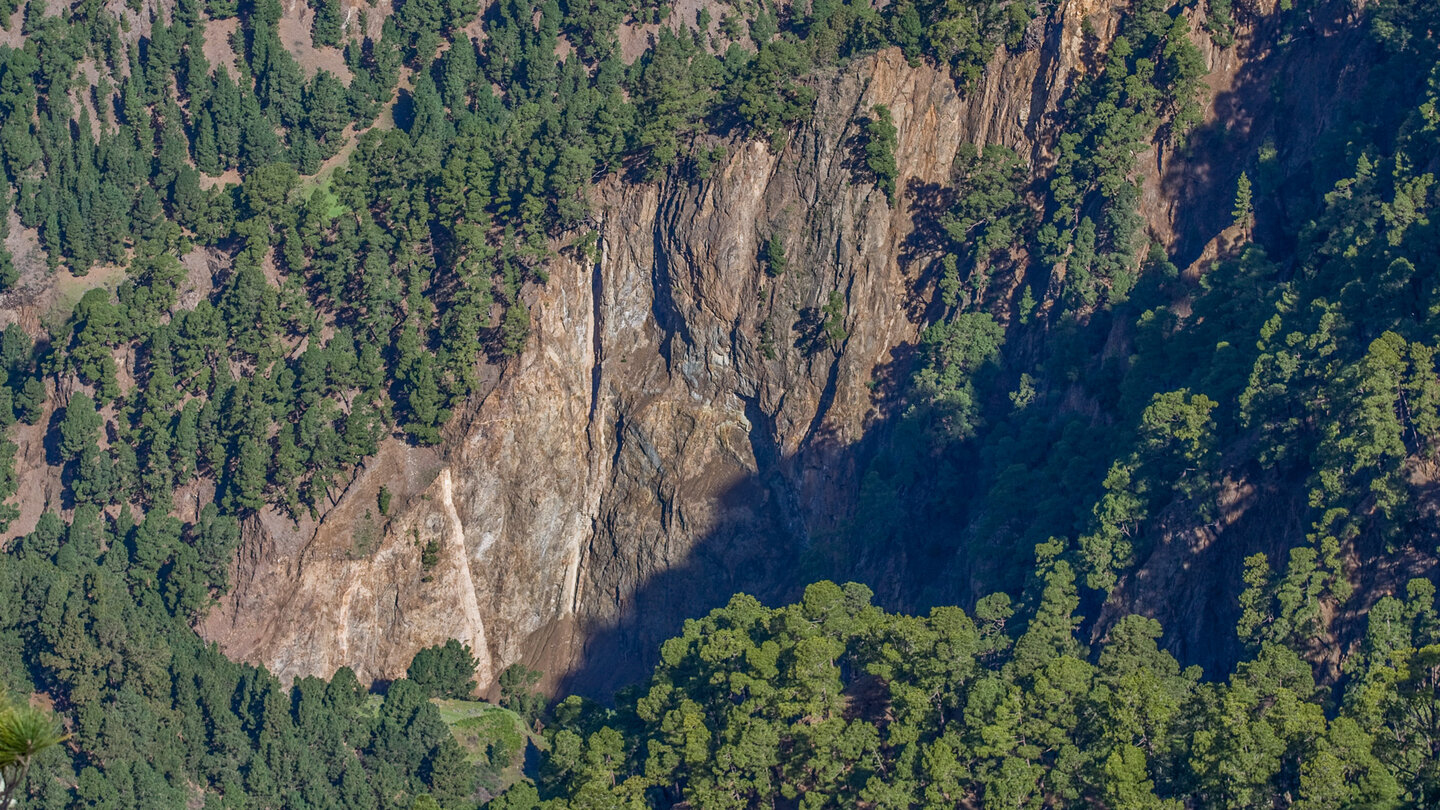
[676, 425]
[682, 425]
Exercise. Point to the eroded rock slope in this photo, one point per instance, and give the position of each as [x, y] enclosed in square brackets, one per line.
[683, 424]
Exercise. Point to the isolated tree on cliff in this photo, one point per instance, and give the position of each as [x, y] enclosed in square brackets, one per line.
[775, 262]
[1244, 212]
[881, 138]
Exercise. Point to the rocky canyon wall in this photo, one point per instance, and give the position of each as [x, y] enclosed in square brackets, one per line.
[682, 425]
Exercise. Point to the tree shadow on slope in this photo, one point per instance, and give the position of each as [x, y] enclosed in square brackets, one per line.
[773, 531]
[914, 526]
[1273, 122]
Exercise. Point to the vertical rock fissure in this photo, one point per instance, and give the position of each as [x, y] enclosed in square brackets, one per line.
[593, 430]
[667, 315]
[769, 472]
[597, 321]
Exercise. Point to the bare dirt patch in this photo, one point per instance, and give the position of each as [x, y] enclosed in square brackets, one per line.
[24, 302]
[39, 483]
[10, 35]
[225, 178]
[294, 30]
[217, 44]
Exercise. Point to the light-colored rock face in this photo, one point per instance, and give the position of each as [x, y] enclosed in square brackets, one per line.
[677, 429]
[657, 446]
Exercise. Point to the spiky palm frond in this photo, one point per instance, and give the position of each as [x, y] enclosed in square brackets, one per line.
[25, 732]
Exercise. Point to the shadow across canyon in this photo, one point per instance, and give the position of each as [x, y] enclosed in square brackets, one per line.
[773, 531]
[911, 521]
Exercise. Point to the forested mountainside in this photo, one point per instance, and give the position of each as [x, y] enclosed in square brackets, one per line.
[362, 358]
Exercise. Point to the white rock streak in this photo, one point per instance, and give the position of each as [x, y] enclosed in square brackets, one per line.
[469, 600]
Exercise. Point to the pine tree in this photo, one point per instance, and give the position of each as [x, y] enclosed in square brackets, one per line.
[248, 483]
[423, 402]
[515, 328]
[1244, 211]
[8, 482]
[207, 149]
[445, 670]
[80, 427]
[1051, 631]
[9, 274]
[328, 24]
[30, 401]
[327, 111]
[459, 69]
[229, 116]
[775, 262]
[880, 143]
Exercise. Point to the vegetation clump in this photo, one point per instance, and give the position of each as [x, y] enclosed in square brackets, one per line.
[880, 144]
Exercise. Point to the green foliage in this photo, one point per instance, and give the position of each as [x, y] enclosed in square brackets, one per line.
[775, 262]
[1148, 86]
[9, 483]
[770, 97]
[1220, 22]
[943, 390]
[194, 723]
[444, 671]
[834, 699]
[1244, 212]
[989, 216]
[880, 143]
[25, 733]
[327, 26]
[404, 248]
[357, 305]
[80, 427]
[9, 273]
[515, 329]
[517, 692]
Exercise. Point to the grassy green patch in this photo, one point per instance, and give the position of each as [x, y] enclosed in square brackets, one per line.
[70, 288]
[494, 739]
[484, 729]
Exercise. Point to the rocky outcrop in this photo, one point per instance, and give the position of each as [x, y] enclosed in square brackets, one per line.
[682, 425]
[675, 431]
